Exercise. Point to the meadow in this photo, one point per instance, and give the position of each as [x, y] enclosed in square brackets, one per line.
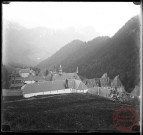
[60, 113]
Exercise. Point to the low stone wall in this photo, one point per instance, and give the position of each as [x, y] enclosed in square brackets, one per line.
[105, 92]
[93, 90]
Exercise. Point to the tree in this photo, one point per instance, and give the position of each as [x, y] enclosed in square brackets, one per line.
[46, 72]
[5, 78]
[37, 71]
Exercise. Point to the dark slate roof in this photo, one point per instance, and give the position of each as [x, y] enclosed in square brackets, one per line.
[105, 80]
[71, 83]
[82, 78]
[116, 82]
[17, 78]
[82, 86]
[97, 80]
[27, 70]
[136, 91]
[104, 75]
[90, 83]
[52, 85]
[16, 71]
[65, 76]
[34, 78]
[43, 86]
[16, 85]
[15, 74]
[49, 77]
[110, 81]
[29, 78]
[39, 78]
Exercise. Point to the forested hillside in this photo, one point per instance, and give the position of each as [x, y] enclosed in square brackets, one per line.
[61, 55]
[116, 55]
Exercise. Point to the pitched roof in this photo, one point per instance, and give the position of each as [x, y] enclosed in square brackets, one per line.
[15, 73]
[82, 86]
[34, 78]
[29, 78]
[104, 75]
[16, 78]
[92, 83]
[27, 70]
[82, 77]
[16, 70]
[16, 85]
[136, 91]
[43, 86]
[105, 80]
[39, 78]
[49, 77]
[72, 84]
[65, 76]
[97, 80]
[116, 82]
[52, 85]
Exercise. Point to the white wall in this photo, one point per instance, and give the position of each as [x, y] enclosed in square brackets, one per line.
[55, 92]
[28, 82]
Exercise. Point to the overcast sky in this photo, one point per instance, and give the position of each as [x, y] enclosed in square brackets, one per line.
[67, 20]
[106, 17]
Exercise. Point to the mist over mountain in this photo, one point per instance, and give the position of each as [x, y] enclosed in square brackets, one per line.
[118, 55]
[61, 55]
[30, 46]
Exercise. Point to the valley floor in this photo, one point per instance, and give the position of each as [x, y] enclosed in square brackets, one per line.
[62, 113]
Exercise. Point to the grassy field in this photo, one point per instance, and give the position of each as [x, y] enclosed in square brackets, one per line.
[11, 92]
[61, 113]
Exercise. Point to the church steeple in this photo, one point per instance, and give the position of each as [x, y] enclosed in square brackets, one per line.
[60, 70]
[77, 70]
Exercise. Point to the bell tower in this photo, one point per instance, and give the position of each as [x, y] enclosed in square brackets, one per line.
[60, 70]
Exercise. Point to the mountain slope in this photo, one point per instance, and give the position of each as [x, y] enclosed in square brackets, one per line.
[61, 55]
[116, 55]
[32, 45]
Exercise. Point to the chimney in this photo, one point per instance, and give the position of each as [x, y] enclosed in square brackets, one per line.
[77, 70]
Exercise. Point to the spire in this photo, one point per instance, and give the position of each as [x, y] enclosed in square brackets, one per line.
[60, 69]
[77, 70]
[104, 75]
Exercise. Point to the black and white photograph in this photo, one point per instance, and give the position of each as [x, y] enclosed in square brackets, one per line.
[71, 67]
